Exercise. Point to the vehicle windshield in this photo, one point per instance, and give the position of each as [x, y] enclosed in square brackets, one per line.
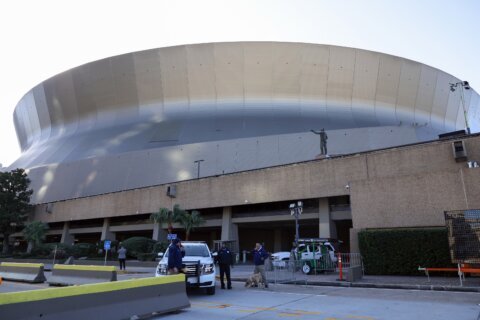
[194, 251]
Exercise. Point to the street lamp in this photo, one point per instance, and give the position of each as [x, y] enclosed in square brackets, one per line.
[463, 85]
[296, 209]
[198, 167]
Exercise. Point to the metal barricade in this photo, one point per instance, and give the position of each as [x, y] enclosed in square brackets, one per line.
[351, 259]
[303, 271]
[282, 272]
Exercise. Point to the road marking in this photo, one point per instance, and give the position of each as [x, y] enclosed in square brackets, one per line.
[308, 312]
[293, 294]
[360, 317]
[288, 314]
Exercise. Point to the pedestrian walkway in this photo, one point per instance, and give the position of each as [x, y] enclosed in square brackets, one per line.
[240, 272]
[421, 282]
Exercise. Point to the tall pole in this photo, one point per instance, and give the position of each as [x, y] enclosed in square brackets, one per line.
[463, 86]
[296, 210]
[198, 167]
[462, 97]
[296, 227]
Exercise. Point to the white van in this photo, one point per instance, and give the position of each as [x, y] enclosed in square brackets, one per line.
[199, 266]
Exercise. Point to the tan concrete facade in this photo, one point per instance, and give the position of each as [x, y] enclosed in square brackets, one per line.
[409, 186]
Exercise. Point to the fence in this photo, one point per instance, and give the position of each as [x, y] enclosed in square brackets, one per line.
[464, 235]
[303, 271]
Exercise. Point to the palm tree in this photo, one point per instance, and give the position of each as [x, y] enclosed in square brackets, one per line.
[190, 221]
[34, 233]
[167, 216]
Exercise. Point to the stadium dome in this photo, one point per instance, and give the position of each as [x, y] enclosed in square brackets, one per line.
[170, 114]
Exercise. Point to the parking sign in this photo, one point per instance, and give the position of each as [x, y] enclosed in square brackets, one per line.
[106, 244]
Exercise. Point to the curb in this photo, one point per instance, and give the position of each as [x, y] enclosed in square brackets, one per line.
[381, 285]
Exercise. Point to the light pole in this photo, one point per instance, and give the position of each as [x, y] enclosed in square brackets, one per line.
[463, 85]
[296, 209]
[198, 167]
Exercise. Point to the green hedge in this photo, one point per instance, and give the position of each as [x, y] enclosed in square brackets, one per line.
[401, 251]
[138, 245]
[46, 250]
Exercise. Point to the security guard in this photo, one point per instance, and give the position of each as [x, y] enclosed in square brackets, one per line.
[225, 260]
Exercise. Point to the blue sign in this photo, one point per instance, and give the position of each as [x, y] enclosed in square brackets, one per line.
[106, 244]
[171, 236]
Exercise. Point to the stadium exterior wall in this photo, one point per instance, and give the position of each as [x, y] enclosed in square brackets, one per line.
[409, 186]
[143, 118]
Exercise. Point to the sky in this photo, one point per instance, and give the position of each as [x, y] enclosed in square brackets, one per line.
[40, 39]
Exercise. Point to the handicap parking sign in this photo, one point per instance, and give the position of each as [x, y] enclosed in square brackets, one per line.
[171, 236]
[106, 244]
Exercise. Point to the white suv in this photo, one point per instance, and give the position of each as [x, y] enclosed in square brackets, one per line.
[199, 266]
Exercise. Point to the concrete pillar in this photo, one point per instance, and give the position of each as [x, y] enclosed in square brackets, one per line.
[277, 243]
[227, 224]
[324, 219]
[67, 238]
[213, 237]
[229, 229]
[354, 244]
[106, 234]
[159, 234]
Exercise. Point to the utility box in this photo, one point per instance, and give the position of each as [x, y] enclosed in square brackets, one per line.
[459, 151]
[172, 191]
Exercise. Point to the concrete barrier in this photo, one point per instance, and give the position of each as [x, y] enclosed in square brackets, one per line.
[26, 272]
[354, 274]
[67, 275]
[107, 300]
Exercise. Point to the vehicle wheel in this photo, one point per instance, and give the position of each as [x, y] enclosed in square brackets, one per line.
[211, 291]
[306, 268]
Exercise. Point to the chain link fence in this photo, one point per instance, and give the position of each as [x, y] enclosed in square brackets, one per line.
[464, 235]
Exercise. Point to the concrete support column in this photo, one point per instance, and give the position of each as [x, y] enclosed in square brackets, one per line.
[213, 237]
[324, 218]
[159, 234]
[67, 238]
[277, 243]
[106, 234]
[229, 229]
[354, 244]
[227, 224]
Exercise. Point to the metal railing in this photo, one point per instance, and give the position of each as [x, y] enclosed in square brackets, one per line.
[302, 271]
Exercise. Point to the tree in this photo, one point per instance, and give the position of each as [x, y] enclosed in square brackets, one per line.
[14, 203]
[35, 233]
[190, 221]
[167, 216]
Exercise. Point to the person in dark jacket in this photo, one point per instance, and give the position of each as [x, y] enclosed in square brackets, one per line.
[259, 257]
[225, 260]
[122, 256]
[175, 255]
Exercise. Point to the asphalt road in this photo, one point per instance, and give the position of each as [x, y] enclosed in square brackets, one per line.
[329, 303]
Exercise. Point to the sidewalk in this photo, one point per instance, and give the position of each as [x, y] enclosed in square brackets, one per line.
[240, 272]
[471, 284]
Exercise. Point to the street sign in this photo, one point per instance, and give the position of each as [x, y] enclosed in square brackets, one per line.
[171, 236]
[106, 244]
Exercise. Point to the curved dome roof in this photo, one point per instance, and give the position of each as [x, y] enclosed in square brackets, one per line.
[221, 91]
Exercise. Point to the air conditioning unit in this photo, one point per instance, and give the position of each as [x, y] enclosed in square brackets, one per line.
[49, 208]
[172, 191]
[459, 151]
